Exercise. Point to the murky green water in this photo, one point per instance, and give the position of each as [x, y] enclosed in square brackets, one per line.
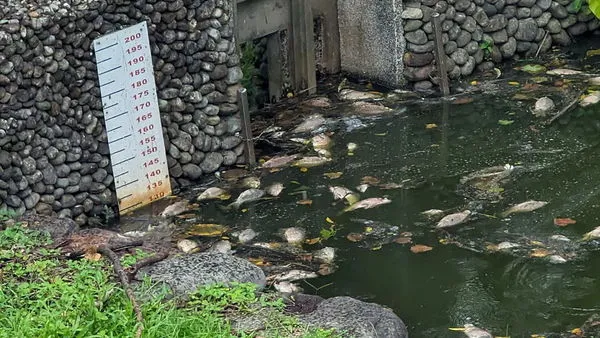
[450, 286]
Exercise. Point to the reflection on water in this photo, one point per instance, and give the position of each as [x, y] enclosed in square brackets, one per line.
[450, 286]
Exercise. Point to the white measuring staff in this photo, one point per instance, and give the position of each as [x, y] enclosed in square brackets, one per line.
[132, 118]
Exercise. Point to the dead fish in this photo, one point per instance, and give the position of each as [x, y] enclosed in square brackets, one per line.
[594, 234]
[590, 99]
[250, 182]
[311, 161]
[287, 287]
[362, 187]
[274, 189]
[368, 203]
[563, 71]
[507, 245]
[318, 102]
[556, 259]
[311, 123]
[353, 95]
[175, 209]
[473, 331]
[432, 213]
[321, 141]
[246, 196]
[453, 219]
[323, 153]
[339, 192]
[367, 108]
[524, 207]
[292, 275]
[279, 161]
[213, 193]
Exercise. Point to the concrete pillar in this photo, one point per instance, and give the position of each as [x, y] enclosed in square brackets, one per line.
[372, 40]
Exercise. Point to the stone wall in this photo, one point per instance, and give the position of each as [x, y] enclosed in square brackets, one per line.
[54, 155]
[508, 27]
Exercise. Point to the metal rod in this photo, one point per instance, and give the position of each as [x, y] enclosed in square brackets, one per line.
[242, 97]
[440, 55]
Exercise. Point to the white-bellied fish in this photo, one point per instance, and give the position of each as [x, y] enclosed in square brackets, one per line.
[368, 203]
[453, 219]
[594, 234]
[321, 141]
[279, 161]
[523, 207]
[246, 196]
[311, 161]
[214, 193]
[274, 189]
[339, 192]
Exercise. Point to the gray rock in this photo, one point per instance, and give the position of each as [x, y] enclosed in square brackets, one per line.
[568, 21]
[543, 19]
[187, 273]
[527, 30]
[553, 26]
[356, 318]
[412, 13]
[544, 4]
[417, 37]
[460, 57]
[558, 11]
[412, 25]
[192, 171]
[500, 36]
[211, 162]
[463, 38]
[577, 29]
[497, 22]
[562, 38]
[509, 48]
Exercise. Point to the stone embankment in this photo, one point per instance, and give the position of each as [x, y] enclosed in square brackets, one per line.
[54, 155]
[480, 33]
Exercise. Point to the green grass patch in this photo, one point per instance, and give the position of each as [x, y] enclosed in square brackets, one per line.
[44, 295]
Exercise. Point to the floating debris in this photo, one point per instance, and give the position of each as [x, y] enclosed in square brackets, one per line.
[594, 234]
[321, 141]
[325, 255]
[367, 108]
[214, 193]
[187, 245]
[351, 148]
[563, 71]
[355, 95]
[207, 230]
[433, 213]
[368, 203]
[246, 196]
[222, 246]
[279, 161]
[274, 189]
[250, 182]
[362, 188]
[175, 209]
[556, 259]
[287, 287]
[311, 161]
[292, 275]
[453, 219]
[310, 123]
[246, 236]
[340, 192]
[542, 106]
[524, 207]
[294, 235]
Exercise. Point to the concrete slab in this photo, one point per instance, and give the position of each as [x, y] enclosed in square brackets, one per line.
[372, 40]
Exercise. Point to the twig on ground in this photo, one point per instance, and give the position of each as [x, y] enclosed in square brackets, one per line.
[159, 256]
[541, 44]
[124, 279]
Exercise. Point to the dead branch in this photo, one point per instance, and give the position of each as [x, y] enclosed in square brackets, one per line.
[124, 279]
[565, 109]
[159, 256]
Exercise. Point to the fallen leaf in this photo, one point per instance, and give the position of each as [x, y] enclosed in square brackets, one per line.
[207, 230]
[312, 241]
[403, 240]
[537, 243]
[355, 237]
[474, 83]
[592, 52]
[92, 256]
[303, 169]
[563, 222]
[304, 202]
[333, 175]
[505, 122]
[463, 100]
[513, 83]
[533, 69]
[258, 261]
[577, 331]
[381, 134]
[430, 126]
[539, 253]
[419, 248]
[531, 86]
[329, 220]
[378, 247]
[369, 180]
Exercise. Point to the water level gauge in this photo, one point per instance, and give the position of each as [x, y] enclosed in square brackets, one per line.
[133, 127]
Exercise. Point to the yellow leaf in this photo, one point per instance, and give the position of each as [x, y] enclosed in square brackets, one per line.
[303, 169]
[92, 256]
[539, 253]
[375, 248]
[537, 336]
[435, 145]
[513, 83]
[444, 241]
[536, 243]
[474, 83]
[368, 229]
[430, 126]
[329, 220]
[333, 175]
[304, 202]
[381, 134]
[258, 261]
[290, 95]
[352, 198]
[592, 52]
[577, 331]
[312, 241]
[274, 170]
[245, 210]
[262, 160]
[207, 229]
[456, 329]
[224, 196]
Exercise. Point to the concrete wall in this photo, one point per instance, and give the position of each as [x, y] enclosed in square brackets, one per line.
[54, 155]
[508, 27]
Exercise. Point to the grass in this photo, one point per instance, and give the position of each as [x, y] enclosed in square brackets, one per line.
[44, 295]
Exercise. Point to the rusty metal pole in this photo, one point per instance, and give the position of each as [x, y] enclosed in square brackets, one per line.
[440, 55]
[242, 97]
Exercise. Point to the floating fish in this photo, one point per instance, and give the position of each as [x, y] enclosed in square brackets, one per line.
[321, 141]
[362, 187]
[293, 275]
[352, 95]
[246, 196]
[473, 331]
[524, 207]
[368, 203]
[594, 234]
[287, 287]
[507, 245]
[311, 161]
[453, 219]
[214, 193]
[367, 108]
[563, 71]
[339, 192]
[175, 209]
[274, 189]
[556, 259]
[432, 213]
[310, 123]
[279, 161]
